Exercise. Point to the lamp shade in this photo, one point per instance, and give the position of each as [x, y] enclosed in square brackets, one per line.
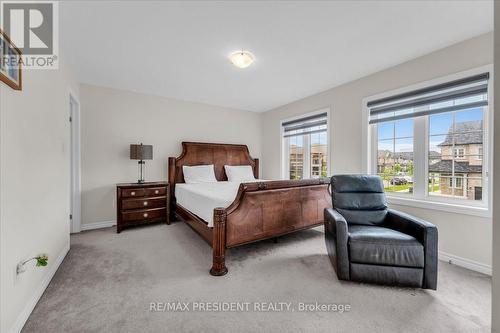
[141, 152]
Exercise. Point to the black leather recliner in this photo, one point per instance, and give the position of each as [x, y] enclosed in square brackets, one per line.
[367, 242]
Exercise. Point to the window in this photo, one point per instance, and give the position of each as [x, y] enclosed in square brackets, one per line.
[454, 182]
[296, 157]
[395, 155]
[459, 153]
[305, 143]
[463, 128]
[428, 144]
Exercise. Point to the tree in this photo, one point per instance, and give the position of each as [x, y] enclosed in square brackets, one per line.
[410, 169]
[324, 170]
[387, 174]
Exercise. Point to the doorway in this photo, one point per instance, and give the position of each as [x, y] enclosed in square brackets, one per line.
[74, 120]
[478, 193]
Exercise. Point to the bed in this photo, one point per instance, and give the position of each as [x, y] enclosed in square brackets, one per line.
[227, 214]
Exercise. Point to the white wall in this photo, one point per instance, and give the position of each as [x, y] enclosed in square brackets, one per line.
[34, 191]
[495, 312]
[111, 120]
[460, 235]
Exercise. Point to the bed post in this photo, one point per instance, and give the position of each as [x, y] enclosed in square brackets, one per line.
[219, 243]
[256, 168]
[171, 187]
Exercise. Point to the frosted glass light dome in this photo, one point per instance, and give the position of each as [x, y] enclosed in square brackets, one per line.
[241, 59]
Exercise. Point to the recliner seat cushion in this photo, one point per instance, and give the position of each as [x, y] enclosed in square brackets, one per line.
[382, 246]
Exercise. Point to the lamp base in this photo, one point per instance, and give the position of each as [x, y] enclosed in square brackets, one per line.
[142, 165]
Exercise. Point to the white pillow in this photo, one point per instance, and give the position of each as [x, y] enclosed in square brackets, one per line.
[199, 174]
[239, 173]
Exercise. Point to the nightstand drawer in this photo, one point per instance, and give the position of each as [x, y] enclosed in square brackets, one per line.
[155, 191]
[144, 203]
[133, 192]
[141, 215]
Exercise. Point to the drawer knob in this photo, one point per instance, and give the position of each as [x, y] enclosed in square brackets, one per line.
[145, 214]
[156, 191]
[132, 193]
[145, 203]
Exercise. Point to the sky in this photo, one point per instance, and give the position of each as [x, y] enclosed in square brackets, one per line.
[316, 138]
[400, 136]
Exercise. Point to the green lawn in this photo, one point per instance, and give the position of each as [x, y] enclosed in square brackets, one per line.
[399, 188]
[436, 188]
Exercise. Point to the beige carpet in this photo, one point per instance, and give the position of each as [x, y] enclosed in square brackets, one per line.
[107, 282]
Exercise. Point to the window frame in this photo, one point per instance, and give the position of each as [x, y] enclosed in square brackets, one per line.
[421, 197]
[454, 180]
[458, 152]
[285, 163]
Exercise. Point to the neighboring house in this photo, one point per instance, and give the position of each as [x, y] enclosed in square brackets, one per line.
[296, 162]
[318, 161]
[465, 157]
[387, 159]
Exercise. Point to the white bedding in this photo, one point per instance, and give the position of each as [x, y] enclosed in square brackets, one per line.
[201, 199]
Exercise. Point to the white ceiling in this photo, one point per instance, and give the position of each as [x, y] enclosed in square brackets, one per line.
[180, 49]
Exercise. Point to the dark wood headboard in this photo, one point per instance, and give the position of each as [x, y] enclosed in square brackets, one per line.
[201, 153]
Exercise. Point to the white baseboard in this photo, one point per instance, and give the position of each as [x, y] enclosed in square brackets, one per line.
[24, 315]
[465, 263]
[97, 225]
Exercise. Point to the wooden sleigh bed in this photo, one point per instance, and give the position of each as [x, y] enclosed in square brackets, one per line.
[261, 210]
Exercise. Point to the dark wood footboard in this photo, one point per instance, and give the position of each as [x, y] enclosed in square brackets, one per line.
[266, 210]
[269, 209]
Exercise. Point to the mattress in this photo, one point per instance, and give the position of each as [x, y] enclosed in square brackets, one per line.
[201, 199]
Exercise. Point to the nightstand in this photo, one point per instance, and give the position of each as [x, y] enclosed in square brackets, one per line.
[141, 203]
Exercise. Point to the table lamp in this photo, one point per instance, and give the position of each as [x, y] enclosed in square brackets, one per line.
[141, 152]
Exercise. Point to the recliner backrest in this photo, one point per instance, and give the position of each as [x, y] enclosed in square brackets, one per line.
[359, 198]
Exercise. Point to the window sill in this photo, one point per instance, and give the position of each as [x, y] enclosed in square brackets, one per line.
[441, 206]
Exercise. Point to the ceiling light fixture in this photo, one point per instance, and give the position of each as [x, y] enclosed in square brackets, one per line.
[241, 59]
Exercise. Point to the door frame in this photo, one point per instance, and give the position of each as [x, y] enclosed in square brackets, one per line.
[75, 164]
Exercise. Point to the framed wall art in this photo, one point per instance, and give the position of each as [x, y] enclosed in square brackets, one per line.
[10, 63]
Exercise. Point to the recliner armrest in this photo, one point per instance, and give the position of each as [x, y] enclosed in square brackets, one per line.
[336, 225]
[334, 217]
[426, 233]
[410, 225]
